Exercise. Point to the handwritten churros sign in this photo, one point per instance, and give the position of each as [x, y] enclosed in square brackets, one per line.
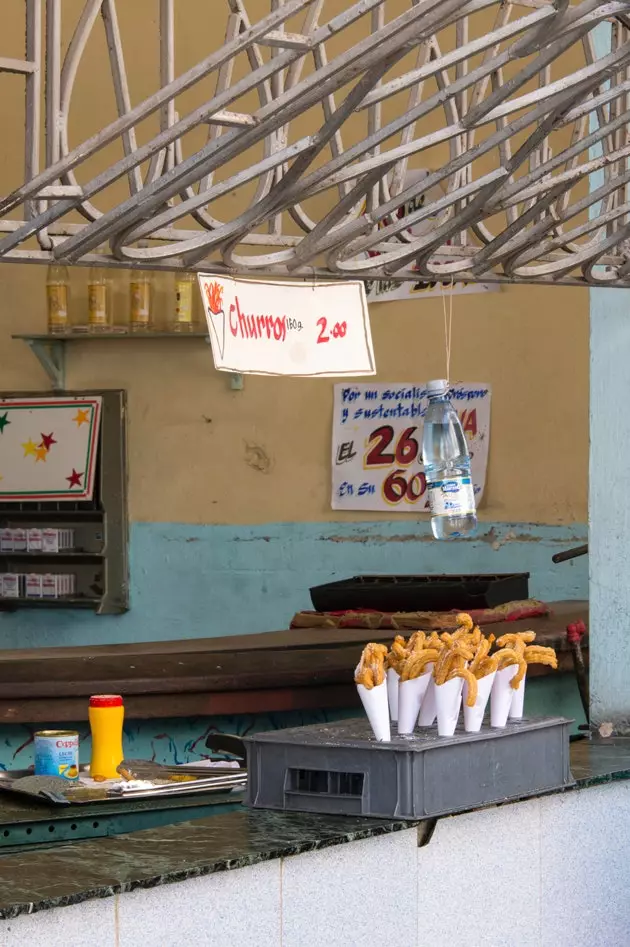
[267, 327]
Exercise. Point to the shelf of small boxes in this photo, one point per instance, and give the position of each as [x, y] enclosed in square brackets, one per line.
[39, 545]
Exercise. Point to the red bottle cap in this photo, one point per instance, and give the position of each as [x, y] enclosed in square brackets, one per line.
[106, 700]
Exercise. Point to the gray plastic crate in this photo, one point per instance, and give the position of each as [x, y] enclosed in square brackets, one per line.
[341, 769]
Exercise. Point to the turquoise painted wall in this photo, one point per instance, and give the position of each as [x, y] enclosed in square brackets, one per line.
[201, 581]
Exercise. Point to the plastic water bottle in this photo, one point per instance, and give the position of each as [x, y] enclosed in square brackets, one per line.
[447, 467]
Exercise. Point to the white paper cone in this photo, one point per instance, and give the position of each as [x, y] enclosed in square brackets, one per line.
[410, 694]
[518, 700]
[502, 696]
[428, 710]
[376, 706]
[393, 677]
[473, 716]
[448, 700]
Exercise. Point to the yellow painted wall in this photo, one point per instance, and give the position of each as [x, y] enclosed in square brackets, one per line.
[196, 447]
[200, 452]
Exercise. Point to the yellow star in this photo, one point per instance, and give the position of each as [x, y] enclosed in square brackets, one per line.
[82, 417]
[40, 454]
[29, 447]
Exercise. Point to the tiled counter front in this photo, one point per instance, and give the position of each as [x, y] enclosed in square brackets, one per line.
[550, 872]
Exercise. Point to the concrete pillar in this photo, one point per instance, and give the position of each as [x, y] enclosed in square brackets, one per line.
[609, 508]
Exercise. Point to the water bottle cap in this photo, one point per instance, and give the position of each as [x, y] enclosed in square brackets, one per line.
[437, 387]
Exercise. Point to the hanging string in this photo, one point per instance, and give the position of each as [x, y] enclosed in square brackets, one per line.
[448, 327]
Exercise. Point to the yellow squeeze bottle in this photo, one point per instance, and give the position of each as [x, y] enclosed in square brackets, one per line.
[106, 715]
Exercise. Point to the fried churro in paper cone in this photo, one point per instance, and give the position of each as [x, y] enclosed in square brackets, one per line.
[410, 696]
[428, 709]
[376, 705]
[369, 677]
[448, 701]
[473, 716]
[393, 678]
[502, 695]
[518, 701]
[532, 654]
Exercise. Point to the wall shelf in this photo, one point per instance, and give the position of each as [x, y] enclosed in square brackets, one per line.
[50, 350]
[70, 601]
[71, 555]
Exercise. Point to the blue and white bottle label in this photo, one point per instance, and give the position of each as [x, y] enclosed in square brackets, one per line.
[452, 497]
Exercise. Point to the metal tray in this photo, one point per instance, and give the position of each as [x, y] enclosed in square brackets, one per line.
[61, 792]
[412, 593]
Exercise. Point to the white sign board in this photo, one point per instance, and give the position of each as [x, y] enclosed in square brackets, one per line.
[49, 448]
[380, 291]
[288, 328]
[377, 444]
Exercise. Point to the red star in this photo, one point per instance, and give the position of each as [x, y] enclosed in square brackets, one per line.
[74, 479]
[47, 441]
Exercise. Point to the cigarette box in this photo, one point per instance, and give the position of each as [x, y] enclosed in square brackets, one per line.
[34, 540]
[33, 583]
[50, 540]
[6, 540]
[11, 585]
[341, 769]
[66, 539]
[19, 540]
[49, 585]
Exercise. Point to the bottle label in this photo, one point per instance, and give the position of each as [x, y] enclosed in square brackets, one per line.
[140, 301]
[97, 304]
[452, 497]
[183, 311]
[57, 304]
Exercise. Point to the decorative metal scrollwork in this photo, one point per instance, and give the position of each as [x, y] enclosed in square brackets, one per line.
[494, 123]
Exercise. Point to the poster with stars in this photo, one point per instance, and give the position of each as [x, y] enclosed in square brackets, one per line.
[48, 448]
[377, 444]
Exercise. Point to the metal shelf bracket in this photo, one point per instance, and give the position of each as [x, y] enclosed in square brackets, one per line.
[51, 355]
[237, 381]
[50, 352]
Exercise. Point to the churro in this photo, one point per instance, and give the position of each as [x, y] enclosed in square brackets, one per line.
[483, 649]
[509, 656]
[452, 657]
[371, 668]
[416, 663]
[516, 640]
[488, 666]
[536, 654]
[398, 654]
[470, 679]
[417, 641]
[464, 622]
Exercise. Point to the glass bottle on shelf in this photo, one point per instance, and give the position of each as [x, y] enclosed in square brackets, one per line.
[184, 285]
[58, 297]
[140, 301]
[99, 301]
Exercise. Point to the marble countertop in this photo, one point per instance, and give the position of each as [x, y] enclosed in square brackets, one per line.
[78, 871]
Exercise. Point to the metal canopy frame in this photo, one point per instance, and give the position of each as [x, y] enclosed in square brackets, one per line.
[532, 185]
